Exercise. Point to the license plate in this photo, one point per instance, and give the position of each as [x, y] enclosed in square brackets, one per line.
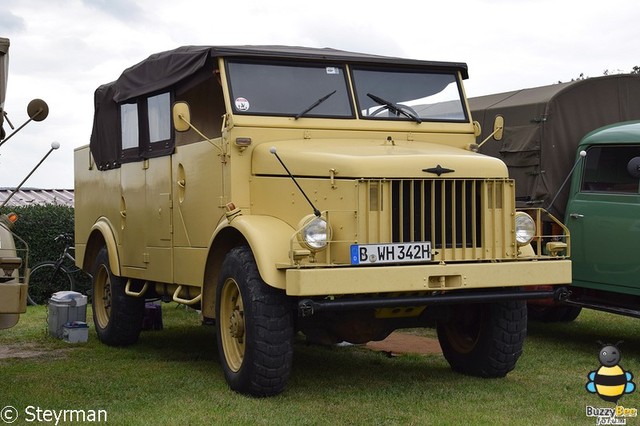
[370, 254]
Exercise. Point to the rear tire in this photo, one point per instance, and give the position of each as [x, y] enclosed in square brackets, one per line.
[254, 328]
[484, 340]
[116, 316]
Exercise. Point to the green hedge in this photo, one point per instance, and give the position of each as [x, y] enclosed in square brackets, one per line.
[39, 225]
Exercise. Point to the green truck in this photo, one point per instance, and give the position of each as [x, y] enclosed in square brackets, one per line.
[574, 148]
[603, 214]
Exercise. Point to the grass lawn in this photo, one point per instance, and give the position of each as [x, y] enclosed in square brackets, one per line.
[174, 377]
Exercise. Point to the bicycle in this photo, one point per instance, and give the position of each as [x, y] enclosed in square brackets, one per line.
[50, 276]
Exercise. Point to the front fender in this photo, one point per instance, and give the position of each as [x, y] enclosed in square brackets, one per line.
[269, 239]
[104, 228]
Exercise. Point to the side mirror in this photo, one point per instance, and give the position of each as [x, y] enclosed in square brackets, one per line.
[498, 127]
[498, 130]
[37, 110]
[633, 167]
[181, 116]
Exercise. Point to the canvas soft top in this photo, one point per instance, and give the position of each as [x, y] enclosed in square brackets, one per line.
[544, 125]
[193, 64]
[161, 70]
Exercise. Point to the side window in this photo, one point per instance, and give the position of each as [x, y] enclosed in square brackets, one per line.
[606, 170]
[159, 117]
[129, 126]
[145, 127]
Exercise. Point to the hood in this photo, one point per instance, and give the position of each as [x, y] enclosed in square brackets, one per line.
[373, 159]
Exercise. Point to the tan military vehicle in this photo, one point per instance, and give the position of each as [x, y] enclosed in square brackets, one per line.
[285, 189]
[13, 257]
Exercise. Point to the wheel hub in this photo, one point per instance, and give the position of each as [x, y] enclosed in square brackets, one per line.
[236, 325]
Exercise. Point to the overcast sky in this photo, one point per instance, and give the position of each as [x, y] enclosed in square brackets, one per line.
[61, 50]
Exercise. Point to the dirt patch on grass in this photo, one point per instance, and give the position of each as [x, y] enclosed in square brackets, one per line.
[29, 350]
[401, 343]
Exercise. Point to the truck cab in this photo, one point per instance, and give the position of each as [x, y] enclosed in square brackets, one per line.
[603, 214]
[287, 189]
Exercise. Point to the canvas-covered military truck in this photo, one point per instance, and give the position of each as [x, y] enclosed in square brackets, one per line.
[288, 189]
[545, 130]
[13, 257]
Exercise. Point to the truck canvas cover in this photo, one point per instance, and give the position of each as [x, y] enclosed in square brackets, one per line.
[188, 65]
[544, 125]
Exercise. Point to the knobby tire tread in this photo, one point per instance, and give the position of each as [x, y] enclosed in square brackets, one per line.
[268, 315]
[500, 345]
[127, 313]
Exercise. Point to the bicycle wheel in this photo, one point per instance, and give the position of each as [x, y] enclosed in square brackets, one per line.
[45, 279]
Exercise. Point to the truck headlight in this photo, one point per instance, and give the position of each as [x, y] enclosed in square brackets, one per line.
[314, 233]
[525, 228]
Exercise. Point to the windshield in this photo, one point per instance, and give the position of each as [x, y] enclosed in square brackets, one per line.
[408, 95]
[310, 90]
[321, 90]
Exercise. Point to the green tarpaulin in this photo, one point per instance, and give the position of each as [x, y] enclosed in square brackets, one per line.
[543, 126]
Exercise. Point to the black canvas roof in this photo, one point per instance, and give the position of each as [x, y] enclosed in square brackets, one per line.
[166, 69]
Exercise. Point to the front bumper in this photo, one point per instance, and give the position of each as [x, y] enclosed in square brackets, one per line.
[434, 277]
[308, 307]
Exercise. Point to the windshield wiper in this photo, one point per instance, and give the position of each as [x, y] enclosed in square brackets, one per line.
[315, 104]
[396, 109]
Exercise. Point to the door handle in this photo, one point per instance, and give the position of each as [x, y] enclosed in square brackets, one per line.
[576, 216]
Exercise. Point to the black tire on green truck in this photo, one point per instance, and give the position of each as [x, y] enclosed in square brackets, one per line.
[254, 328]
[484, 340]
[116, 316]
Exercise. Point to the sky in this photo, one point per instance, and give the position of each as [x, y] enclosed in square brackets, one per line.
[62, 50]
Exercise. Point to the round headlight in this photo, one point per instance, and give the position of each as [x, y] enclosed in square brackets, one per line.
[315, 233]
[525, 228]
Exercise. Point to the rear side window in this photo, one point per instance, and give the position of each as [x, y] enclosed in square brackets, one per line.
[607, 170]
[145, 127]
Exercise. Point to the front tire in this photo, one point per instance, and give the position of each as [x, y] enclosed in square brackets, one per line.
[484, 340]
[254, 328]
[116, 316]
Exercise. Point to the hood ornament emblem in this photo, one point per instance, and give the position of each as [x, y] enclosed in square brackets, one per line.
[438, 170]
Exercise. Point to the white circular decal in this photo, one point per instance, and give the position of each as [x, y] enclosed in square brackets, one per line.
[242, 104]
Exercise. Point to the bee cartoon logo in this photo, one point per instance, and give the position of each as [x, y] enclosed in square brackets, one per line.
[610, 381]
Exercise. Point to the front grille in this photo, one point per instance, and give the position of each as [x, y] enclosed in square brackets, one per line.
[464, 219]
[446, 212]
